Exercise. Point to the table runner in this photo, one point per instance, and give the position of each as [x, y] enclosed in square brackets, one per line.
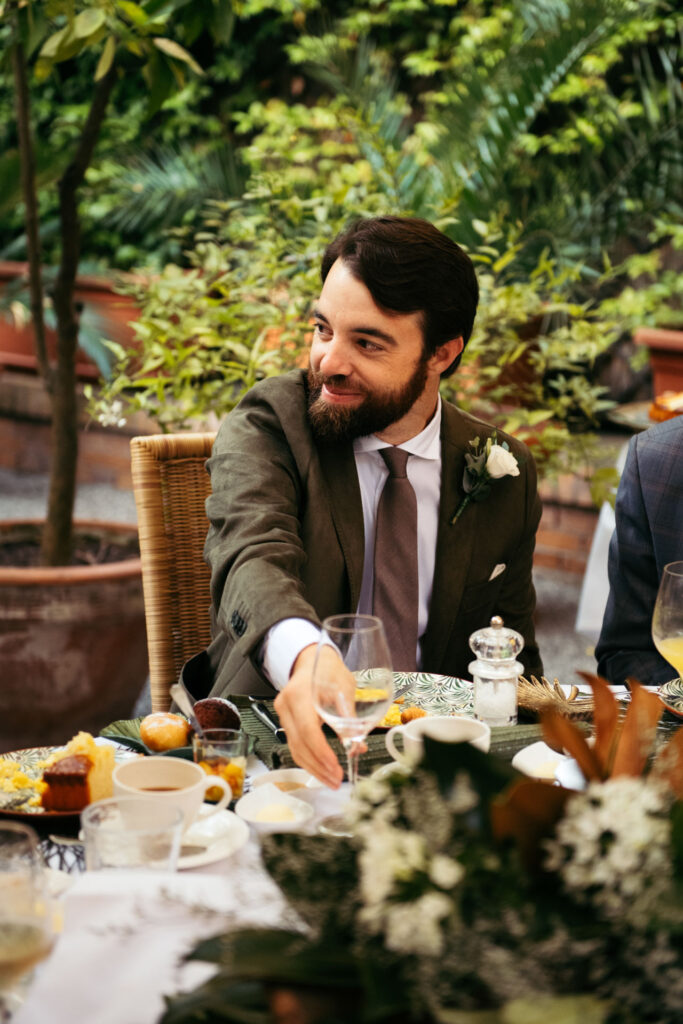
[505, 741]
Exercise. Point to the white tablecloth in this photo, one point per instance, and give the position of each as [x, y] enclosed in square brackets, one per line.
[125, 933]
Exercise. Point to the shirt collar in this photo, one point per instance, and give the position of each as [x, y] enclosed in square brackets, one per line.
[426, 444]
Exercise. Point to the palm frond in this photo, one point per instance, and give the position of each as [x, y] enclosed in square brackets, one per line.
[493, 110]
[160, 188]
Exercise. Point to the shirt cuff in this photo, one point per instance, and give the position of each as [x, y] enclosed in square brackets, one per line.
[282, 645]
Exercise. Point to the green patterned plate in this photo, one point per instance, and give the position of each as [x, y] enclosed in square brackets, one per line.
[671, 695]
[437, 695]
[30, 761]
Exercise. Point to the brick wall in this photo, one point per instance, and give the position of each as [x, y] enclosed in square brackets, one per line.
[567, 524]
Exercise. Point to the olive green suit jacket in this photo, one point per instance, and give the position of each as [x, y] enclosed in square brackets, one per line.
[286, 539]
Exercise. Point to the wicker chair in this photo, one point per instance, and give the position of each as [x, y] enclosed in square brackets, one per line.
[170, 485]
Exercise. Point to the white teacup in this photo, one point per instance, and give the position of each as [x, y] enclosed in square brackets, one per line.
[445, 728]
[173, 780]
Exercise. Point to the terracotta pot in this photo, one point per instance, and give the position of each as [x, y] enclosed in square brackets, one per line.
[73, 650]
[666, 356]
[17, 346]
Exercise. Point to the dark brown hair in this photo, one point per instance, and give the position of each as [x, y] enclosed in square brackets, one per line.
[409, 266]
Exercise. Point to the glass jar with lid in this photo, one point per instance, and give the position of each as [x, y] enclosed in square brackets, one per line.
[495, 673]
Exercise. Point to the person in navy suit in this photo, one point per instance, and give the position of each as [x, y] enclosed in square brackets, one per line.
[648, 535]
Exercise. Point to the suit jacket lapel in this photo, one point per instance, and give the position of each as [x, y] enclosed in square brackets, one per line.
[454, 543]
[339, 469]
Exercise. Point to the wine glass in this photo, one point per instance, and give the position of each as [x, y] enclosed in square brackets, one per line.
[667, 620]
[26, 922]
[354, 697]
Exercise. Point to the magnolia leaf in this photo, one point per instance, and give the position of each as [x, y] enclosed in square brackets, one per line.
[173, 49]
[88, 22]
[528, 812]
[106, 58]
[134, 12]
[53, 45]
[669, 764]
[677, 836]
[445, 1016]
[544, 1009]
[561, 734]
[605, 718]
[638, 731]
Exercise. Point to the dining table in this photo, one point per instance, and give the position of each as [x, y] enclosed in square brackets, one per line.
[123, 934]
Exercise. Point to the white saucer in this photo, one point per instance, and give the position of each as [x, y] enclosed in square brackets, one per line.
[220, 835]
[538, 761]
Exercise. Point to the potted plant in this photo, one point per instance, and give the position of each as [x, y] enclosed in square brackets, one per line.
[650, 303]
[60, 679]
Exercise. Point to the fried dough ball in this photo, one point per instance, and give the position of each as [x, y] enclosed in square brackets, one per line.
[408, 714]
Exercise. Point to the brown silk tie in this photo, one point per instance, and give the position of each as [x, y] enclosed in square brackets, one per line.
[395, 590]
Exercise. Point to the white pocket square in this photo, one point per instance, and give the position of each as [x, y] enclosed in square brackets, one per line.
[498, 569]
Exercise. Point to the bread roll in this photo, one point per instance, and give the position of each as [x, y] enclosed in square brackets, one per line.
[164, 731]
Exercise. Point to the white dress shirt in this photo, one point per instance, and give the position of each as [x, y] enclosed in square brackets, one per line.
[286, 639]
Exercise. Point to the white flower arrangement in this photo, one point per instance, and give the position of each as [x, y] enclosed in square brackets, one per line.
[612, 848]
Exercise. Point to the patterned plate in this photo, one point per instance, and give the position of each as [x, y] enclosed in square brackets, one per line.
[671, 694]
[437, 695]
[30, 761]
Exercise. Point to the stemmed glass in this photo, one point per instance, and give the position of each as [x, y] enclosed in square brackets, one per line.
[26, 920]
[352, 702]
[667, 620]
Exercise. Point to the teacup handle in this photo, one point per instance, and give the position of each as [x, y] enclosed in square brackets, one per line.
[395, 731]
[215, 780]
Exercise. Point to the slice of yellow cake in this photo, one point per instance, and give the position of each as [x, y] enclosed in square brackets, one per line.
[79, 774]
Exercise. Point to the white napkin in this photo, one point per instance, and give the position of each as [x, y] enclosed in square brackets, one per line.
[125, 933]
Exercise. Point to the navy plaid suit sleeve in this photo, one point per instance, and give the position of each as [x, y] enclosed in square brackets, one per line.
[648, 534]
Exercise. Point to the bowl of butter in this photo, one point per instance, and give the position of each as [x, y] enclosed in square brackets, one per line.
[268, 809]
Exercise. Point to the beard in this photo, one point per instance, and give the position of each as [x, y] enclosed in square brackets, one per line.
[376, 411]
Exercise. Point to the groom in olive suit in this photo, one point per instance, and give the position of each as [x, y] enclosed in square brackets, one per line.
[296, 477]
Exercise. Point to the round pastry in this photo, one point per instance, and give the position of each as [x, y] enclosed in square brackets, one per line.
[217, 713]
[163, 730]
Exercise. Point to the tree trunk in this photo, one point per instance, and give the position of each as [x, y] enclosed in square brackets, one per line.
[57, 537]
[28, 188]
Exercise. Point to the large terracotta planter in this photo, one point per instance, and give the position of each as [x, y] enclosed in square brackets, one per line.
[666, 356]
[73, 651]
[96, 294]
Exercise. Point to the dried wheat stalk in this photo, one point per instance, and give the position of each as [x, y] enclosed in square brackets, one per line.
[538, 695]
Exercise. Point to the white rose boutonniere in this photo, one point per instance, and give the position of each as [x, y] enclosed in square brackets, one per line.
[501, 462]
[491, 463]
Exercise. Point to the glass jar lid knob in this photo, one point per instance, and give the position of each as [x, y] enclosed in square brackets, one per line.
[495, 642]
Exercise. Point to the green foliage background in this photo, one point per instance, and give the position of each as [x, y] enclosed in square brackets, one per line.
[545, 135]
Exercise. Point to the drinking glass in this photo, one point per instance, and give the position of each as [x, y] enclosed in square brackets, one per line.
[667, 620]
[132, 832]
[26, 920]
[222, 752]
[352, 703]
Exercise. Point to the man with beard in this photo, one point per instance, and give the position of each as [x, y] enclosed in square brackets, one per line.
[297, 474]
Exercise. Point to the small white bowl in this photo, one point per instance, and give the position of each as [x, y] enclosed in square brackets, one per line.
[263, 806]
[297, 779]
[569, 775]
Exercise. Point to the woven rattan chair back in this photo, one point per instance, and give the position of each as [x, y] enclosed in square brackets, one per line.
[171, 484]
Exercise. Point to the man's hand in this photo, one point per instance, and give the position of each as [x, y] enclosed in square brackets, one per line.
[301, 721]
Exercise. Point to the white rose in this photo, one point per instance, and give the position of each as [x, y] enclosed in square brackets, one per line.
[501, 463]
